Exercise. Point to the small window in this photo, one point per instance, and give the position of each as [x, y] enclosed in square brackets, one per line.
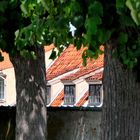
[69, 94]
[48, 94]
[1, 88]
[95, 94]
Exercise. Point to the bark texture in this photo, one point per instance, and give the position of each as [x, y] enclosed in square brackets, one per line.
[30, 106]
[121, 109]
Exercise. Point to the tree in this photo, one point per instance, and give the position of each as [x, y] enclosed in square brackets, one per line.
[25, 27]
[19, 36]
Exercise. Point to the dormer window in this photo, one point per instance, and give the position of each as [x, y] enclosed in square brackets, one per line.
[69, 94]
[48, 94]
[95, 94]
[1, 88]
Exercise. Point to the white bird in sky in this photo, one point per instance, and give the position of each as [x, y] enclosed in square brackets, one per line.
[72, 29]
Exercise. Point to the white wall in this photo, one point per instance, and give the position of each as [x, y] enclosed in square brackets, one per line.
[81, 88]
[10, 89]
[56, 88]
[48, 61]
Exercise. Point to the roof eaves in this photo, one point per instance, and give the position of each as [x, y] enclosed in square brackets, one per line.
[58, 78]
[88, 75]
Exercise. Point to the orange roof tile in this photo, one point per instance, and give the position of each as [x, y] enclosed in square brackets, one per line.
[85, 70]
[83, 99]
[71, 59]
[96, 76]
[6, 63]
[58, 100]
[49, 47]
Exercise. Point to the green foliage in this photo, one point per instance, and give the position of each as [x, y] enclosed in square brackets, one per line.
[123, 38]
[3, 6]
[53, 55]
[27, 54]
[134, 6]
[120, 6]
[104, 21]
[1, 57]
[38, 22]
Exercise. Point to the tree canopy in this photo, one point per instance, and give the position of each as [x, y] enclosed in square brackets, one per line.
[26, 24]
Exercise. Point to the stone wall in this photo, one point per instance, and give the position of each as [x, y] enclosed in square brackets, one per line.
[63, 124]
[7, 123]
[74, 124]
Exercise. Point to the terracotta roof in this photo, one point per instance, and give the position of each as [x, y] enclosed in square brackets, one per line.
[71, 59]
[6, 63]
[83, 99]
[58, 100]
[96, 76]
[91, 66]
[68, 60]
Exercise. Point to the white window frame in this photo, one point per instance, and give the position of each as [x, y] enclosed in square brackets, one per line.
[96, 104]
[69, 99]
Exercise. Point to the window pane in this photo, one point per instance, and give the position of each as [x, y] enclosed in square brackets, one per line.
[94, 94]
[48, 94]
[69, 91]
[1, 88]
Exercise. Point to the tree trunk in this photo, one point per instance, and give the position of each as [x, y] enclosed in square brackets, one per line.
[121, 109]
[30, 105]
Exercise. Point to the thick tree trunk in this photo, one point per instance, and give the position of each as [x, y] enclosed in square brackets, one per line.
[30, 106]
[121, 109]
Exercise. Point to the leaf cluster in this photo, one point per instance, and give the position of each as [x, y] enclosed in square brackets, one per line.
[38, 22]
[99, 22]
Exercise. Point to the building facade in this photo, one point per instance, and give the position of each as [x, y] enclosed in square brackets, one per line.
[69, 83]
